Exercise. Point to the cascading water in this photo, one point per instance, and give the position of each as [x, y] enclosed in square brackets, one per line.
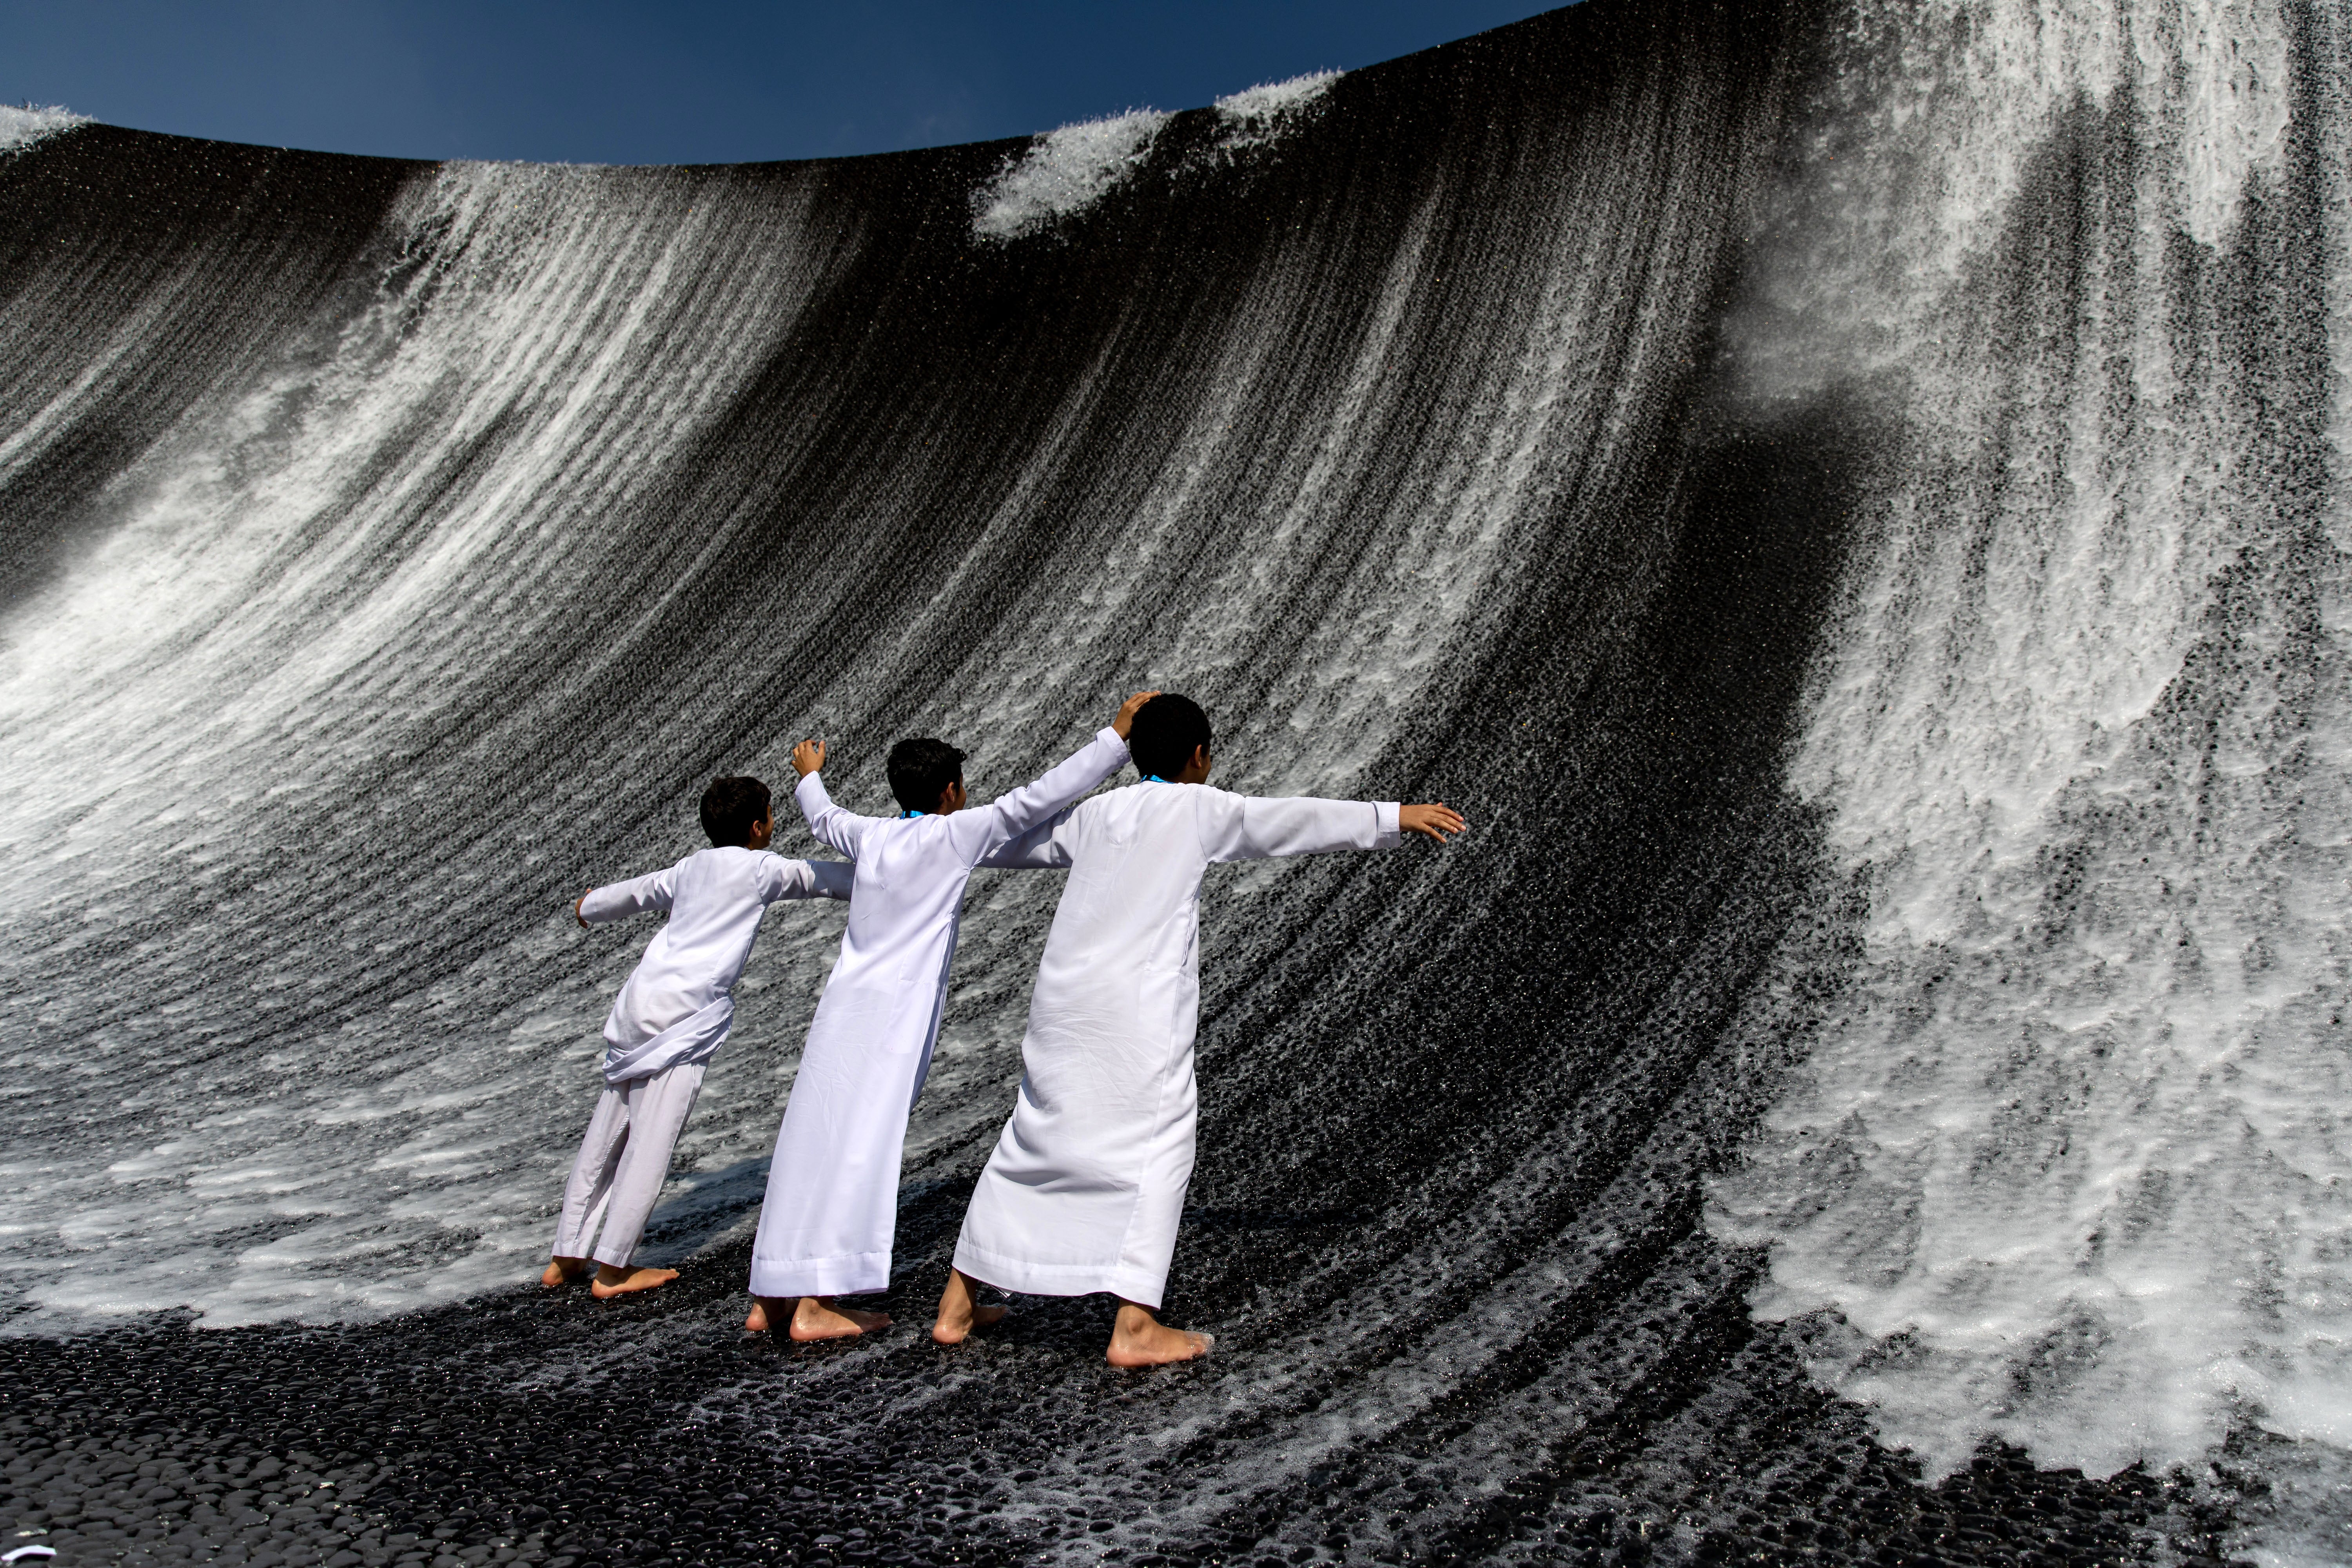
[1845, 497]
[2067, 1160]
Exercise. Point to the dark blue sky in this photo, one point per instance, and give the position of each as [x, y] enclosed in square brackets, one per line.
[592, 81]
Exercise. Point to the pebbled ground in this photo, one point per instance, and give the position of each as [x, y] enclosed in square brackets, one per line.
[552, 1429]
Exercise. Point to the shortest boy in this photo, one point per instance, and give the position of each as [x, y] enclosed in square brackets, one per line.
[669, 1020]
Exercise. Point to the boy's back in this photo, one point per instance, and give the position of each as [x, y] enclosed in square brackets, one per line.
[1136, 858]
[1085, 1184]
[908, 910]
[903, 924]
[714, 899]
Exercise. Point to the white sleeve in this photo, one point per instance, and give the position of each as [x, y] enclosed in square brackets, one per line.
[835, 828]
[1011, 815]
[1044, 847]
[622, 899]
[781, 878]
[1247, 827]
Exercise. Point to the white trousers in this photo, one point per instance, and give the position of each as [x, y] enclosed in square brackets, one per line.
[622, 1160]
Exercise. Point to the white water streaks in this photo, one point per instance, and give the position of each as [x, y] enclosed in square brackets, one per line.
[2071, 1161]
[316, 598]
[1064, 173]
[1375, 480]
[22, 124]
[1365, 482]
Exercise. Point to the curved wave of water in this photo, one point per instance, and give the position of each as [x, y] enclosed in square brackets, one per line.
[1847, 498]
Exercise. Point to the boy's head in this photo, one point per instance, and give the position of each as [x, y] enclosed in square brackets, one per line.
[920, 771]
[732, 809]
[1167, 730]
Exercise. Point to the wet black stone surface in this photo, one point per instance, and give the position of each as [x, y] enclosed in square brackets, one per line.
[551, 1428]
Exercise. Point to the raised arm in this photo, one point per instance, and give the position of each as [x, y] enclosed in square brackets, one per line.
[833, 827]
[781, 878]
[622, 899]
[1011, 815]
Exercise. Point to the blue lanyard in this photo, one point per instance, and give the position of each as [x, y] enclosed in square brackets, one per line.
[1155, 778]
[904, 815]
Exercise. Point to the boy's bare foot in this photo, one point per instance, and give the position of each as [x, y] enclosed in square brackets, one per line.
[611, 1281]
[1139, 1339]
[817, 1318]
[959, 1313]
[756, 1322]
[564, 1271]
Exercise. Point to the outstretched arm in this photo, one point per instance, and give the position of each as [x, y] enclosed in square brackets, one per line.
[622, 899]
[781, 879]
[835, 828]
[1249, 828]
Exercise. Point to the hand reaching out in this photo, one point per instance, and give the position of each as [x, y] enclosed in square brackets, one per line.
[575, 909]
[1436, 821]
[808, 757]
[1125, 720]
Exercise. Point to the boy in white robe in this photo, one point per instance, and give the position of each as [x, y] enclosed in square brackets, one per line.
[670, 1018]
[830, 1214]
[1084, 1189]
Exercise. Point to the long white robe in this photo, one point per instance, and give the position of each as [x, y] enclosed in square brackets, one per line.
[1085, 1187]
[678, 1004]
[670, 1018]
[831, 1211]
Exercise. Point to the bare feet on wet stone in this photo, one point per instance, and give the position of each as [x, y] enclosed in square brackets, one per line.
[960, 1311]
[611, 1281]
[1139, 1339]
[565, 1270]
[817, 1318]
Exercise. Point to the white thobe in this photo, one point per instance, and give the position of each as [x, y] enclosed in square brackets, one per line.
[678, 1004]
[831, 1211]
[1085, 1187]
[671, 1016]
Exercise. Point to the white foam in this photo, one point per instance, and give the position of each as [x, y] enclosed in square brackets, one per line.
[1266, 111]
[1270, 99]
[1064, 173]
[2070, 1161]
[21, 125]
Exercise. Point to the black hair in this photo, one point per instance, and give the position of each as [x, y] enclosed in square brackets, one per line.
[731, 807]
[921, 769]
[1166, 732]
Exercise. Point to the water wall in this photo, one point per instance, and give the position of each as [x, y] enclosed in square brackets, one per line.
[1844, 496]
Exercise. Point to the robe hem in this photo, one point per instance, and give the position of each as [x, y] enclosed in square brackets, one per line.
[849, 1274]
[1142, 1287]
